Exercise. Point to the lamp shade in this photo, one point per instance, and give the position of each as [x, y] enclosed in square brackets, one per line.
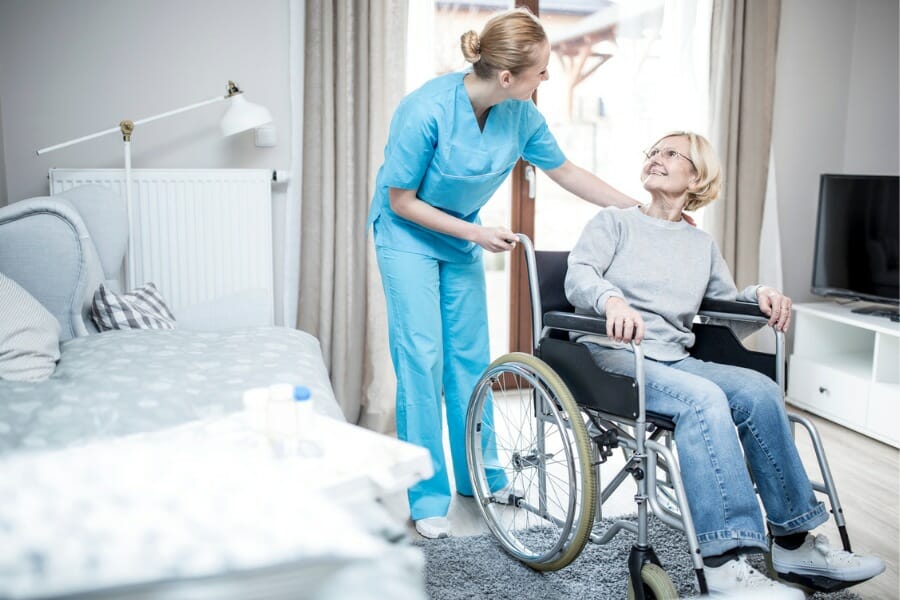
[242, 115]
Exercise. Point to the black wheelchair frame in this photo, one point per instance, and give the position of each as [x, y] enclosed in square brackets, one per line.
[592, 412]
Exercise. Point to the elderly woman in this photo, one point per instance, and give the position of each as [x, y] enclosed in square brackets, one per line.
[646, 270]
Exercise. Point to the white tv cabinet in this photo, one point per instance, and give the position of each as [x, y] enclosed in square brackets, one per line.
[846, 368]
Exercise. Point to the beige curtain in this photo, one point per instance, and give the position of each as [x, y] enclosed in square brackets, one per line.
[742, 85]
[354, 73]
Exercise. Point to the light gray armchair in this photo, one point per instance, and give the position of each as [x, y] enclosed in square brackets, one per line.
[61, 248]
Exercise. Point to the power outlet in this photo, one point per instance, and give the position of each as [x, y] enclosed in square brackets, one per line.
[265, 136]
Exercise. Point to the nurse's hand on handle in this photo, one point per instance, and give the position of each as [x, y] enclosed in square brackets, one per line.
[495, 239]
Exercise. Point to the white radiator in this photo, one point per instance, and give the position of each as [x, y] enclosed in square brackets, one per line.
[200, 235]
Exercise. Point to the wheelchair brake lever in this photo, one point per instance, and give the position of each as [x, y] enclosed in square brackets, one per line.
[606, 440]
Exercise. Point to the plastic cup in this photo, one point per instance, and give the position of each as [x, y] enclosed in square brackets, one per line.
[256, 403]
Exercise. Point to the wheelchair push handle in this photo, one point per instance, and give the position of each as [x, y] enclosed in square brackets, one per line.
[533, 290]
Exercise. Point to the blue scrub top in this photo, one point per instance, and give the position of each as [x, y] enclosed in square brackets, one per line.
[436, 148]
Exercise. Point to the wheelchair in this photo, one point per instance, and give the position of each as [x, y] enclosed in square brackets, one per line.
[540, 426]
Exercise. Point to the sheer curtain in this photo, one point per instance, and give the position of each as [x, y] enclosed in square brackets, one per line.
[742, 84]
[353, 74]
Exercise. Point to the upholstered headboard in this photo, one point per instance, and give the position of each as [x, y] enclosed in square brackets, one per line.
[47, 248]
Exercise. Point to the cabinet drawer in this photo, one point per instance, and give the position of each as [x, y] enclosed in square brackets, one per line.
[883, 415]
[831, 393]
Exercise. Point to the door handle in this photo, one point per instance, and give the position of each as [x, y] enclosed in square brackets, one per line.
[530, 177]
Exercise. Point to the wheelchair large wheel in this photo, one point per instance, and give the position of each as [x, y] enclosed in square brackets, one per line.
[657, 584]
[529, 438]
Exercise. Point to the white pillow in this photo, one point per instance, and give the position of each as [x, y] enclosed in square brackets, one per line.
[29, 335]
[141, 308]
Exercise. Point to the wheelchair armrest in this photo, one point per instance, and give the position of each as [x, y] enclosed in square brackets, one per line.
[573, 322]
[597, 324]
[725, 309]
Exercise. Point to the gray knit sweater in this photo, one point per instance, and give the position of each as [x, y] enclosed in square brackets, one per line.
[662, 269]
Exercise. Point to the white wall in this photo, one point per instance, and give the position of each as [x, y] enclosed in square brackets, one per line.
[70, 68]
[3, 200]
[836, 111]
[871, 145]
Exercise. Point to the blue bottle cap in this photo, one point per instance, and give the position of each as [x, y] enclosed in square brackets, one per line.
[301, 392]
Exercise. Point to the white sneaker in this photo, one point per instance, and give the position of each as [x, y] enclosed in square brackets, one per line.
[738, 579]
[433, 528]
[816, 557]
[510, 490]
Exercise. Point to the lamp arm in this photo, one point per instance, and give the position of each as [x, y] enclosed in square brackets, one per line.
[78, 140]
[181, 110]
[136, 123]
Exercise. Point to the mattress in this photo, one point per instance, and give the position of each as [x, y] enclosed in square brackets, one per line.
[123, 382]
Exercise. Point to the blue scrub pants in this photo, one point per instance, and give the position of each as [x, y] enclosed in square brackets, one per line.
[437, 321]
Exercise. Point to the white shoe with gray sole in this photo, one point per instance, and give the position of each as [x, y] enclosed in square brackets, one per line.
[817, 558]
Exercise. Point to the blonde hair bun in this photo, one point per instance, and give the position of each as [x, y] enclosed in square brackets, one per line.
[507, 42]
[471, 46]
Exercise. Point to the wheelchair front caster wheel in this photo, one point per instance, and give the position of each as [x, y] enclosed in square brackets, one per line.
[657, 584]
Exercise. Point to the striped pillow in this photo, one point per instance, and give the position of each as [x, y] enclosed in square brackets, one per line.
[142, 308]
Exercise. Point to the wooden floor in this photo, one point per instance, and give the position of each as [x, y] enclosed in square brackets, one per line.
[867, 476]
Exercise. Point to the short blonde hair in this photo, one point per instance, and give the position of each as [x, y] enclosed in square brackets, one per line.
[706, 164]
[507, 43]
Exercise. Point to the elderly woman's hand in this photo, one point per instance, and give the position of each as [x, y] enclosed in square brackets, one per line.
[623, 323]
[776, 306]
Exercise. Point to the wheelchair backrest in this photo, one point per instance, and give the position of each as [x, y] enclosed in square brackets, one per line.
[551, 268]
[718, 343]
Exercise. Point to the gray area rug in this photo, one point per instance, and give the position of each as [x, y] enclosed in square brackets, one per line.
[464, 568]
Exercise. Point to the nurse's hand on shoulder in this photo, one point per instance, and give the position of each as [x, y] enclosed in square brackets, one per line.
[495, 239]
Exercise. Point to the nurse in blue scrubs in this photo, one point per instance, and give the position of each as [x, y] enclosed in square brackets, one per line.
[451, 144]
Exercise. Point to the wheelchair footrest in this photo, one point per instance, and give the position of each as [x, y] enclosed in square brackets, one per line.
[818, 583]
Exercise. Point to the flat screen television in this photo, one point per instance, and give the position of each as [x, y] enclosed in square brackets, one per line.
[857, 242]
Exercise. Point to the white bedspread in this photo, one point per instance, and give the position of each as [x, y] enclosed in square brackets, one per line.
[204, 498]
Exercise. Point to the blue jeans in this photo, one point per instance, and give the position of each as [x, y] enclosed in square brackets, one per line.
[707, 400]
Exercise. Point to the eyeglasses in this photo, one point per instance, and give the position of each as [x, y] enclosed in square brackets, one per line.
[666, 154]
